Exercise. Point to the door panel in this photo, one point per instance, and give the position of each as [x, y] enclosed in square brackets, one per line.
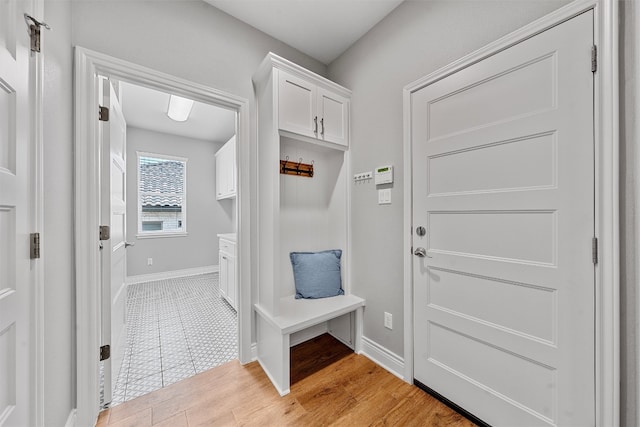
[523, 163]
[15, 216]
[7, 128]
[518, 235]
[461, 104]
[333, 111]
[296, 105]
[503, 183]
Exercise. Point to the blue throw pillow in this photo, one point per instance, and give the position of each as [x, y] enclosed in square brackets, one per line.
[317, 274]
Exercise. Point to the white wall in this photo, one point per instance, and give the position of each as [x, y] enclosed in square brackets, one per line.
[189, 39]
[412, 41]
[206, 217]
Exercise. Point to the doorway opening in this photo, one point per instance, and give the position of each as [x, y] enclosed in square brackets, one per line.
[169, 316]
[89, 67]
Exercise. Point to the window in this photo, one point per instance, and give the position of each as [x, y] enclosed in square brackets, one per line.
[162, 196]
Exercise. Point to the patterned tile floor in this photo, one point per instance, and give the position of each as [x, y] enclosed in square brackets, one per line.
[176, 328]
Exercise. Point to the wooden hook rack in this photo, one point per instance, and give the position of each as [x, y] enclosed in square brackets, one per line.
[296, 168]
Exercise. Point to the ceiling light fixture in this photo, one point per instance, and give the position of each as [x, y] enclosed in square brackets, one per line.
[179, 108]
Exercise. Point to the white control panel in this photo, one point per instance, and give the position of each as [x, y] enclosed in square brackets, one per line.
[384, 175]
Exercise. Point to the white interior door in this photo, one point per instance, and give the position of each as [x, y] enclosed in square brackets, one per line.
[15, 216]
[113, 212]
[503, 184]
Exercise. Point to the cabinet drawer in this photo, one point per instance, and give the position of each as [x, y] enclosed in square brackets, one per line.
[227, 246]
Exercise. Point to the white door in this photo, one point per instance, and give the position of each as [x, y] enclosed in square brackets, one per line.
[15, 216]
[503, 184]
[113, 213]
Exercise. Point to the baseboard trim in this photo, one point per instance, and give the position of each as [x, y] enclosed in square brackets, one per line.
[254, 351]
[271, 378]
[71, 419]
[152, 277]
[383, 357]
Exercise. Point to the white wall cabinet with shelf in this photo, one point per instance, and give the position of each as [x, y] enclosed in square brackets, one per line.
[226, 170]
[317, 109]
[227, 277]
[298, 213]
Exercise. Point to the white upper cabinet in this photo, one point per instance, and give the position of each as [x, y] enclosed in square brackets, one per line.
[226, 170]
[311, 106]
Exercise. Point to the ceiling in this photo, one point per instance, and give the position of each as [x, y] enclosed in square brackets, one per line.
[147, 109]
[323, 29]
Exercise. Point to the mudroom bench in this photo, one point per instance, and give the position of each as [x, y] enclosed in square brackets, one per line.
[296, 315]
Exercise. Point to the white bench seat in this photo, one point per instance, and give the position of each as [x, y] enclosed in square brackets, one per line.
[298, 314]
[295, 315]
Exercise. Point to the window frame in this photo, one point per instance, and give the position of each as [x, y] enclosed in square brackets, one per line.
[141, 234]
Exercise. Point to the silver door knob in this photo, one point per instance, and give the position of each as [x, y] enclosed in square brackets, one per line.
[421, 252]
[127, 244]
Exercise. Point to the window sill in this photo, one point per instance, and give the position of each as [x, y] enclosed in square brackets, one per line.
[160, 235]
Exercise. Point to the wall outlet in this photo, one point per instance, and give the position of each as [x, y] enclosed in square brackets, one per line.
[149, 261]
[388, 320]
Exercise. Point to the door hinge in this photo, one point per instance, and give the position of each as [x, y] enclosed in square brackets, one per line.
[34, 31]
[594, 58]
[105, 232]
[105, 352]
[103, 114]
[594, 250]
[34, 245]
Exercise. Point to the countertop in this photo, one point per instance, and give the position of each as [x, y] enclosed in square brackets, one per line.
[229, 236]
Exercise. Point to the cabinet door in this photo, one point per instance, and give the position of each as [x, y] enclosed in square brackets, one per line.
[232, 288]
[221, 176]
[226, 171]
[230, 158]
[223, 275]
[333, 117]
[297, 105]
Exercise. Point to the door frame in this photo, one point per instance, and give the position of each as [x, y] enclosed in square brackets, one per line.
[36, 210]
[88, 65]
[607, 219]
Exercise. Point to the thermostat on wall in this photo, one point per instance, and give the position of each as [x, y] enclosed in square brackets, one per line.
[384, 175]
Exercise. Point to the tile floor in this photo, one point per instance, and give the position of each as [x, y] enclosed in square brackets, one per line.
[176, 328]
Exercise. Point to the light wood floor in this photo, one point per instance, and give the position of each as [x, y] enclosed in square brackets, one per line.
[330, 385]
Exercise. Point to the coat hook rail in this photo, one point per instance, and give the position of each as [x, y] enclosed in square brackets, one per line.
[298, 168]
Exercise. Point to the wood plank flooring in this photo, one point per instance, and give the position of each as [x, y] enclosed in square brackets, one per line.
[330, 386]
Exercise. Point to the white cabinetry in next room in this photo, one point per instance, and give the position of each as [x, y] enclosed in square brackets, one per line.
[226, 170]
[227, 263]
